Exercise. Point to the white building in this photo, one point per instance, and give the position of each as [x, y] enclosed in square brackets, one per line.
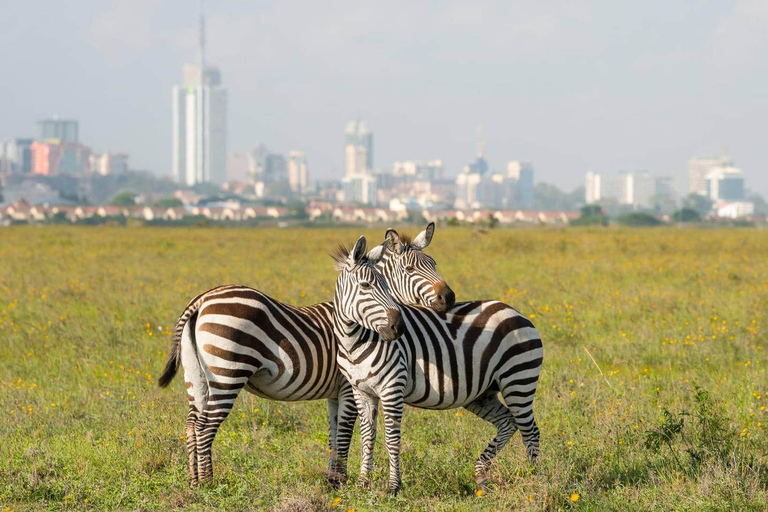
[725, 183]
[735, 210]
[699, 168]
[358, 148]
[592, 188]
[428, 170]
[109, 163]
[468, 190]
[360, 188]
[200, 128]
[639, 189]
[297, 172]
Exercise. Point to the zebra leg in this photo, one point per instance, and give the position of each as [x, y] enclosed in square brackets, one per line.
[347, 415]
[523, 414]
[334, 475]
[368, 409]
[197, 395]
[492, 410]
[217, 407]
[393, 415]
[192, 445]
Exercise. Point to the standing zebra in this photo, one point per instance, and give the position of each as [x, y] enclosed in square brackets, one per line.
[462, 358]
[235, 337]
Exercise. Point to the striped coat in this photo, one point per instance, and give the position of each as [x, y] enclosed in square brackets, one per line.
[235, 337]
[463, 358]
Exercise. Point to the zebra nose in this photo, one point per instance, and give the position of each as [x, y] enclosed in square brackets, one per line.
[395, 326]
[444, 298]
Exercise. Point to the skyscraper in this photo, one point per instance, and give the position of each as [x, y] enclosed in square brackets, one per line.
[699, 168]
[200, 124]
[297, 172]
[358, 148]
[55, 128]
[522, 175]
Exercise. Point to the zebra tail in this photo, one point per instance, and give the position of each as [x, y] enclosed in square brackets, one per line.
[174, 358]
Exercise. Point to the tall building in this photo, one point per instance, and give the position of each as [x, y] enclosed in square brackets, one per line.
[60, 129]
[297, 172]
[17, 155]
[725, 183]
[408, 170]
[200, 124]
[592, 188]
[55, 157]
[360, 188]
[522, 174]
[699, 168]
[275, 168]
[358, 148]
[639, 189]
[109, 163]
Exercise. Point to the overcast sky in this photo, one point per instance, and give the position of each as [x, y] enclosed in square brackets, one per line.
[570, 86]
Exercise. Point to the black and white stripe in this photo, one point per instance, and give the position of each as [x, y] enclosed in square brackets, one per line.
[466, 357]
[235, 337]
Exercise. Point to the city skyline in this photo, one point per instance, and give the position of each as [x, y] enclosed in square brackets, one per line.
[666, 91]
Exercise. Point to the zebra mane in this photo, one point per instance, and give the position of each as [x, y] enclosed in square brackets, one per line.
[405, 239]
[340, 256]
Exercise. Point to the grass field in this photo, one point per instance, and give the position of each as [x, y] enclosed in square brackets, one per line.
[652, 396]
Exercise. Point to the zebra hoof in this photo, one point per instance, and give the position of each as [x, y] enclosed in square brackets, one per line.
[364, 483]
[336, 480]
[480, 481]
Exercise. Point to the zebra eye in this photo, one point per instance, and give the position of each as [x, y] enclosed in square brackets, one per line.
[409, 268]
[365, 285]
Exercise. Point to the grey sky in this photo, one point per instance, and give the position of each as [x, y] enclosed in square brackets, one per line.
[570, 86]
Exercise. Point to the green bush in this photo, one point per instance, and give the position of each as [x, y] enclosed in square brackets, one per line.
[638, 219]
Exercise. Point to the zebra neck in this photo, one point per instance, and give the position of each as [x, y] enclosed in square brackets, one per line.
[351, 335]
[385, 266]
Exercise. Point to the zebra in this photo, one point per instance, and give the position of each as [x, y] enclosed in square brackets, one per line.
[463, 357]
[234, 337]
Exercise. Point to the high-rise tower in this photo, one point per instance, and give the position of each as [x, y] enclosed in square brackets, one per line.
[200, 123]
[358, 148]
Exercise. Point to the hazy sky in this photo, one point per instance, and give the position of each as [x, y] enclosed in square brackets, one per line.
[570, 86]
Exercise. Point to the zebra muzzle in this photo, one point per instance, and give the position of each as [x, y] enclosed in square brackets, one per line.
[394, 327]
[444, 297]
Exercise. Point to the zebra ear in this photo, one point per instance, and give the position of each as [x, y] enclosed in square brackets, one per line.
[375, 254]
[358, 252]
[393, 241]
[424, 238]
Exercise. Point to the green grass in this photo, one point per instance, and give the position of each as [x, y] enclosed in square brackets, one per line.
[85, 315]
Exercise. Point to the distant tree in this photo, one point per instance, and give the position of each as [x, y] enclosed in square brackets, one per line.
[297, 210]
[638, 219]
[124, 199]
[591, 215]
[206, 189]
[687, 215]
[548, 197]
[492, 221]
[168, 202]
[453, 221]
[701, 204]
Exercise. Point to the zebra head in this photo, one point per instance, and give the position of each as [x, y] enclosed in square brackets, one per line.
[411, 273]
[362, 296]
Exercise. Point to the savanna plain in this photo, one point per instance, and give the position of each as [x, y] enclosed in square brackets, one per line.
[652, 395]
